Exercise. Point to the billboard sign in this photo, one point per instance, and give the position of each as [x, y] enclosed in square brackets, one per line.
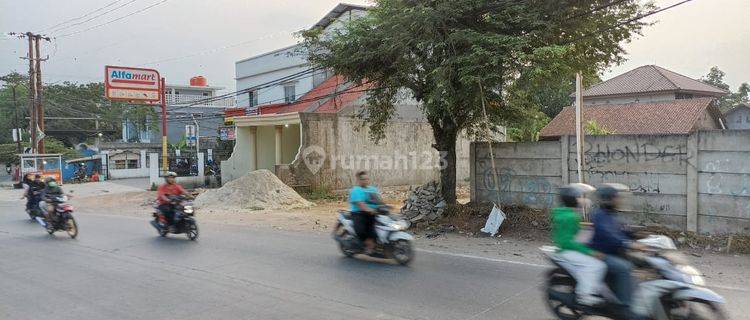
[226, 134]
[131, 84]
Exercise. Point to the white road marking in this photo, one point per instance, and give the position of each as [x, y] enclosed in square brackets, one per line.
[483, 258]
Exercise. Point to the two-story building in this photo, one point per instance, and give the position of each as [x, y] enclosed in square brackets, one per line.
[738, 118]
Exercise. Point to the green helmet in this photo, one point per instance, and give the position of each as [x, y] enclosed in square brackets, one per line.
[52, 184]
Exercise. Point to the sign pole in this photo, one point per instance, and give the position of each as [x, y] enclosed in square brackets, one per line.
[164, 163]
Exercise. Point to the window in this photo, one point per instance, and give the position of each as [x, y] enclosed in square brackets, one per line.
[206, 94]
[120, 164]
[132, 164]
[252, 97]
[289, 95]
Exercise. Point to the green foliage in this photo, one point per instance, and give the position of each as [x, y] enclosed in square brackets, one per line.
[594, 129]
[9, 152]
[70, 100]
[317, 194]
[715, 77]
[528, 130]
[450, 55]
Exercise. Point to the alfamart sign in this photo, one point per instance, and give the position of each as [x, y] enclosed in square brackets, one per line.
[131, 84]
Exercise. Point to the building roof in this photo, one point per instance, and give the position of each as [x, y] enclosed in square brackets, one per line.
[331, 96]
[667, 117]
[189, 87]
[332, 15]
[648, 79]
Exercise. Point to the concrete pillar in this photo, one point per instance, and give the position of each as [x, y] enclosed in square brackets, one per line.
[142, 160]
[564, 158]
[253, 144]
[153, 169]
[473, 171]
[692, 182]
[201, 165]
[278, 131]
[104, 163]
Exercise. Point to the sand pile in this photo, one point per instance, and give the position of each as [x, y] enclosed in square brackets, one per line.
[257, 190]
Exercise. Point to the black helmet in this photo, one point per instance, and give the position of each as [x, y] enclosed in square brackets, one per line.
[49, 179]
[569, 194]
[608, 192]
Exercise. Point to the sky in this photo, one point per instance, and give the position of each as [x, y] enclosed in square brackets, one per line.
[185, 38]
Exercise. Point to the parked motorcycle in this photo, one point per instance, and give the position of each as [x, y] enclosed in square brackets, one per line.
[392, 241]
[62, 217]
[668, 288]
[183, 216]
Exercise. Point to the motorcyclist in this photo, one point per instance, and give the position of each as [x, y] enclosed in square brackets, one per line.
[32, 190]
[51, 190]
[583, 263]
[611, 238]
[164, 193]
[364, 200]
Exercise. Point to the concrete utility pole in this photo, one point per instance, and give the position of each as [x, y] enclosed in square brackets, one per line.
[39, 91]
[579, 125]
[32, 93]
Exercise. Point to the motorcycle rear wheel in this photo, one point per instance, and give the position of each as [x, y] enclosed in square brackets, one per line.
[565, 284]
[345, 236]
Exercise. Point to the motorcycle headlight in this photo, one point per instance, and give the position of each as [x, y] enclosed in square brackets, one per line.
[399, 226]
[692, 275]
[188, 209]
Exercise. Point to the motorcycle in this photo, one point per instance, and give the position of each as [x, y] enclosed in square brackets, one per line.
[61, 219]
[183, 219]
[392, 241]
[667, 288]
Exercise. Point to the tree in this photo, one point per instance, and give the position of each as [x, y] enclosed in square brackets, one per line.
[715, 77]
[593, 128]
[10, 111]
[451, 55]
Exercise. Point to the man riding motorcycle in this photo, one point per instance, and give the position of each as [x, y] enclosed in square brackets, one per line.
[364, 200]
[33, 189]
[170, 189]
[584, 264]
[611, 238]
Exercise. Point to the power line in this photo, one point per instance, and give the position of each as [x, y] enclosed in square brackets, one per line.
[83, 16]
[112, 21]
[94, 17]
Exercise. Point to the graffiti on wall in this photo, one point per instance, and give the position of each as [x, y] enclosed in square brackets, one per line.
[636, 182]
[718, 184]
[533, 191]
[598, 154]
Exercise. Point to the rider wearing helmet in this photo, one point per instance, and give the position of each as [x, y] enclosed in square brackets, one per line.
[170, 189]
[611, 238]
[51, 190]
[584, 264]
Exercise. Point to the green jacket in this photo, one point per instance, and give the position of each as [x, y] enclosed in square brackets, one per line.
[565, 226]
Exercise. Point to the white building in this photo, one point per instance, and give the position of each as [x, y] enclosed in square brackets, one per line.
[184, 102]
[288, 62]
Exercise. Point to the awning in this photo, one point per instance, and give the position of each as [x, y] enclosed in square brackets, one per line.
[91, 158]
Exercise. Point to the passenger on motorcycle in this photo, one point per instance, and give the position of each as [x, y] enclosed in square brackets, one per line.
[612, 239]
[32, 191]
[584, 264]
[170, 189]
[364, 200]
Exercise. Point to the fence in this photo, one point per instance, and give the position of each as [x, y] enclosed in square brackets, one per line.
[697, 182]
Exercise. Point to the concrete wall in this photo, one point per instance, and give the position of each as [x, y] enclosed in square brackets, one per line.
[698, 182]
[239, 163]
[338, 147]
[738, 119]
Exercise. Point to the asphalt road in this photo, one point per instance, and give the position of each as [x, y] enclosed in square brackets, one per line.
[119, 268]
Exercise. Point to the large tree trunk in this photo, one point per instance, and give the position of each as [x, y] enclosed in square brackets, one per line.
[445, 144]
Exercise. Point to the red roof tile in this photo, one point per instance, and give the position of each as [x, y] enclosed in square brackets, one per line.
[668, 117]
[328, 97]
[648, 79]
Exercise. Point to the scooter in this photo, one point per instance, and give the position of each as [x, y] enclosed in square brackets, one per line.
[184, 221]
[392, 241]
[668, 288]
[62, 217]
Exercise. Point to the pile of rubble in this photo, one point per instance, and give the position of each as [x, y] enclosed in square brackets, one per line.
[424, 203]
[257, 190]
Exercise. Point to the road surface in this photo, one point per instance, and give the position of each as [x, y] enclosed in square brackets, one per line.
[119, 269]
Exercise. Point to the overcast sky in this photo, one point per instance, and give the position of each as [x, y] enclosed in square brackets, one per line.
[184, 38]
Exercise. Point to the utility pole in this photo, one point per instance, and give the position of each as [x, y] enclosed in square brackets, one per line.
[17, 124]
[36, 109]
[39, 91]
